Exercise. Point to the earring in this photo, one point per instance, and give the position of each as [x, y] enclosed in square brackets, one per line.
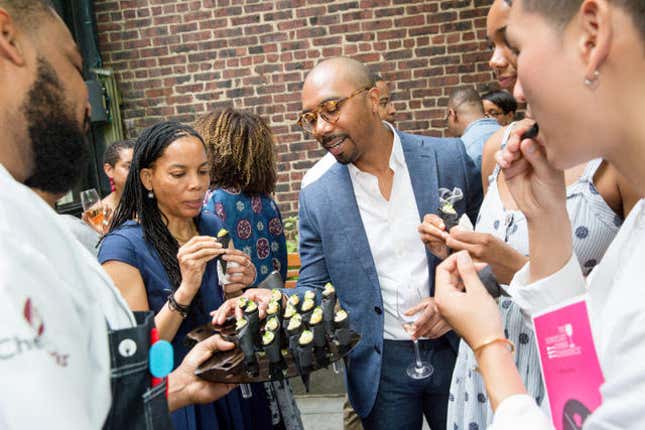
[593, 82]
[112, 187]
[151, 195]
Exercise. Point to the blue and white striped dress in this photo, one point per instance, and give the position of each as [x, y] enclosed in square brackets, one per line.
[594, 227]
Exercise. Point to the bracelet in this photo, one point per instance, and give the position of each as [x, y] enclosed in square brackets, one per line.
[176, 307]
[510, 345]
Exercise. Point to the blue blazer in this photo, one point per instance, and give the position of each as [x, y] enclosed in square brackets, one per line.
[334, 246]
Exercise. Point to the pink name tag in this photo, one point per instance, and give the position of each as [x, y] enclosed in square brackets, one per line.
[570, 366]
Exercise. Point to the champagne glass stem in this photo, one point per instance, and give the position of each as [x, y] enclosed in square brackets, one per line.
[246, 391]
[417, 354]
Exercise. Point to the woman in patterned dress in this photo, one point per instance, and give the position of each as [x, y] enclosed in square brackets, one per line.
[243, 178]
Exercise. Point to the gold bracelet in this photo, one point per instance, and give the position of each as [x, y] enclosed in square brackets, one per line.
[508, 343]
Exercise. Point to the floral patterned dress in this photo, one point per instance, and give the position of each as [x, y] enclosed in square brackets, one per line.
[255, 226]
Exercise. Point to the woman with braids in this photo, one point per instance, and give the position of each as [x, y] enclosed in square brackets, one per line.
[243, 177]
[165, 261]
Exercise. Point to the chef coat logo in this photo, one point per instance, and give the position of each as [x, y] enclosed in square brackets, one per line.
[14, 346]
[31, 314]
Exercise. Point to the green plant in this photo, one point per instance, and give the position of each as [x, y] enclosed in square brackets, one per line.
[291, 233]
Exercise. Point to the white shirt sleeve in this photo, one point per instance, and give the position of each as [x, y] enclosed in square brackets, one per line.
[520, 411]
[564, 284]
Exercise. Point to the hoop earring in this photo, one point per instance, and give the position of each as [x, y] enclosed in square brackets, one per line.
[594, 81]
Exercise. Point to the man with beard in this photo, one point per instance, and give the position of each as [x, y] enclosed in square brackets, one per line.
[386, 111]
[358, 230]
[70, 350]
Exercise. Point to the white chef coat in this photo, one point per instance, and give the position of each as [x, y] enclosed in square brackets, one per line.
[55, 306]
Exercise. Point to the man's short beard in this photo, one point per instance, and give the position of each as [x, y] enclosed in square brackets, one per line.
[57, 141]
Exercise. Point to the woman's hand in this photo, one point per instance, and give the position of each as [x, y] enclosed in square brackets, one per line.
[539, 191]
[241, 274]
[104, 227]
[193, 257]
[503, 259]
[261, 296]
[537, 187]
[433, 233]
[464, 302]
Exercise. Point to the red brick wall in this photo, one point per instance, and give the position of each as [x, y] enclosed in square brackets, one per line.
[180, 58]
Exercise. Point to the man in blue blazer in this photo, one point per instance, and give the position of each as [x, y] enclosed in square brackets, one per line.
[358, 230]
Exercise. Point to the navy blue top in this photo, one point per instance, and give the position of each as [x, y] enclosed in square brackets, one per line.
[127, 245]
[255, 225]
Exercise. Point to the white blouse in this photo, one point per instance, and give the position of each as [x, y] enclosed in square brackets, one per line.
[617, 313]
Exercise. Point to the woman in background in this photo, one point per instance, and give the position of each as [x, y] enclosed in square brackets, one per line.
[243, 177]
[116, 165]
[500, 105]
[165, 261]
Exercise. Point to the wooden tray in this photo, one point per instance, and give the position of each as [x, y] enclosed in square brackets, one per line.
[228, 366]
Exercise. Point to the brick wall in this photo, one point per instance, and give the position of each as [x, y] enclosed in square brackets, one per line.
[180, 58]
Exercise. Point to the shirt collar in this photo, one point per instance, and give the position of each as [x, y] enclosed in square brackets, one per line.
[479, 121]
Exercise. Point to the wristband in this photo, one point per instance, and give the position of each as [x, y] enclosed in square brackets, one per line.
[174, 306]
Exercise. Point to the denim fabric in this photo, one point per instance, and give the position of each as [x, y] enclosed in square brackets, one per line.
[135, 405]
[476, 135]
[401, 402]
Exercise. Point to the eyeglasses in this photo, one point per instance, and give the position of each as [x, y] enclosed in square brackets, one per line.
[328, 110]
[493, 113]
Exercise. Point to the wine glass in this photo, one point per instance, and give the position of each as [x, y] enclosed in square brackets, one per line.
[406, 298]
[93, 209]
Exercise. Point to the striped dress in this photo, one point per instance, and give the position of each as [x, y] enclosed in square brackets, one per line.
[594, 226]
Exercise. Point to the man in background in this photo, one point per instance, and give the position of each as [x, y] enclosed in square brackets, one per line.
[466, 119]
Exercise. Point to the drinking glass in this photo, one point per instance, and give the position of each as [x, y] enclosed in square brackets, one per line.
[406, 298]
[92, 207]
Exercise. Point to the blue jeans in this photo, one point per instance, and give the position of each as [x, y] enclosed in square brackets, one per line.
[401, 402]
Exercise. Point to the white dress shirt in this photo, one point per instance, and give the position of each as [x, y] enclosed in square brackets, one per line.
[617, 313]
[318, 169]
[56, 303]
[391, 229]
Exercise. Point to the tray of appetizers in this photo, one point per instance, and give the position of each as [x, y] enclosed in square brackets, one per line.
[296, 340]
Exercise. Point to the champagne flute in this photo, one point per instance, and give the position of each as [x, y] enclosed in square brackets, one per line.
[406, 298]
[92, 207]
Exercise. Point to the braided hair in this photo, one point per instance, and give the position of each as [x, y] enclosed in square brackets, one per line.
[135, 202]
[240, 151]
